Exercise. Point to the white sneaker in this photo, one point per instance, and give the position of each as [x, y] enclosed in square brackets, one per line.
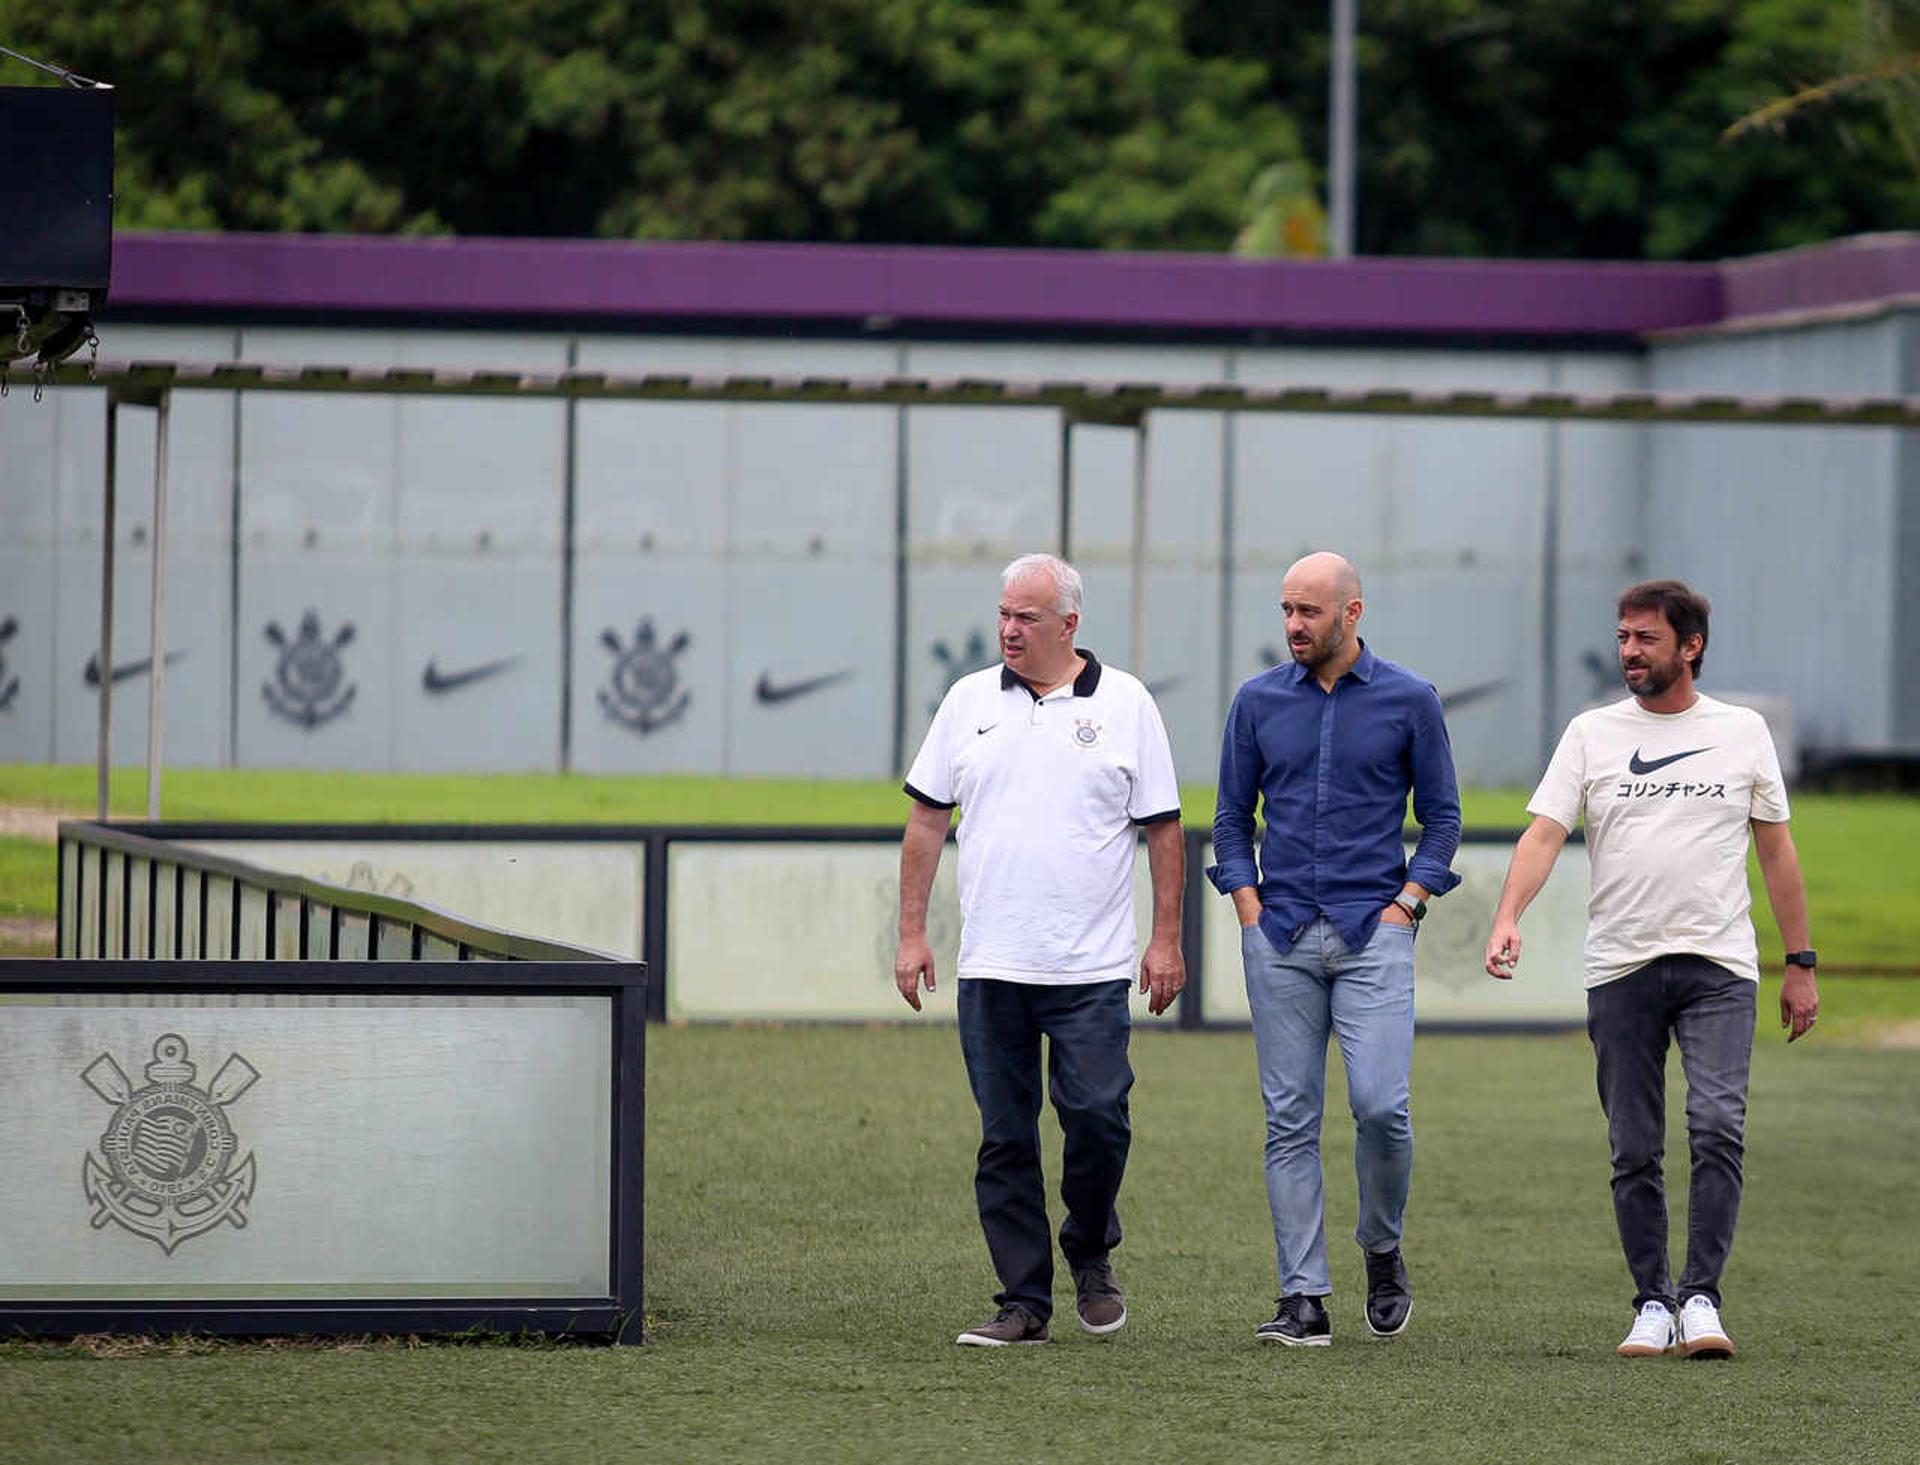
[1701, 1335]
[1652, 1335]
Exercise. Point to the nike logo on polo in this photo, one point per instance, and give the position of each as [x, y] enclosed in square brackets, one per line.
[126, 670]
[770, 693]
[439, 682]
[985, 727]
[1652, 765]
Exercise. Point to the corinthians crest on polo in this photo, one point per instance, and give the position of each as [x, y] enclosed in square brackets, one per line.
[165, 1168]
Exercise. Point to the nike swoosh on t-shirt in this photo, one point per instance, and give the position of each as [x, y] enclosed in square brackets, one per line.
[1650, 765]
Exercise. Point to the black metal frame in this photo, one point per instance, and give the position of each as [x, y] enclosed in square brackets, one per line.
[151, 844]
[618, 1317]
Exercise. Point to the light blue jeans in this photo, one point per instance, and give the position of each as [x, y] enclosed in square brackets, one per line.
[1366, 999]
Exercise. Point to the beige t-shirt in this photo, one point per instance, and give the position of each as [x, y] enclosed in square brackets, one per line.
[1667, 797]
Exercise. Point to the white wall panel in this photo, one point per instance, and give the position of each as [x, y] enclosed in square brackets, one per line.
[72, 425]
[811, 689]
[29, 451]
[1750, 515]
[1445, 520]
[650, 666]
[952, 629]
[316, 663]
[476, 663]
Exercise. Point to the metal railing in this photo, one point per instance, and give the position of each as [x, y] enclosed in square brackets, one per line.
[129, 896]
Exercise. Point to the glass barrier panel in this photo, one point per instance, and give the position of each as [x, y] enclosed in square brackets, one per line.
[222, 1145]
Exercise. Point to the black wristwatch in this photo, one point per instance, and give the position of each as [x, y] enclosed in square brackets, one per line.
[1416, 909]
[1802, 958]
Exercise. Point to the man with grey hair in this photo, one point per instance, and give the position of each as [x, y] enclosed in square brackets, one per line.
[1054, 762]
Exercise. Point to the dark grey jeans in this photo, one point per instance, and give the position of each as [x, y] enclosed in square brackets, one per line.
[1709, 1012]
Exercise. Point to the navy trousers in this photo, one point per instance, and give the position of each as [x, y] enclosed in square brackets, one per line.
[1087, 1028]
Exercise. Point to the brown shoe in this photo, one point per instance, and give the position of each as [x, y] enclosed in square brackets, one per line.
[1102, 1305]
[1012, 1324]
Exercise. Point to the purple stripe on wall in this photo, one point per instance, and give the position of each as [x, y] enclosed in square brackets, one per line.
[578, 279]
[1872, 267]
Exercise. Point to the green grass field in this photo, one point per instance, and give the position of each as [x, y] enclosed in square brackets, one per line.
[812, 1250]
[812, 1247]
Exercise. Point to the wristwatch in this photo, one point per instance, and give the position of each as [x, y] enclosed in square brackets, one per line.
[1417, 909]
[1802, 958]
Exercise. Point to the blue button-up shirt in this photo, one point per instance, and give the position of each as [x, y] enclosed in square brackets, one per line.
[1333, 770]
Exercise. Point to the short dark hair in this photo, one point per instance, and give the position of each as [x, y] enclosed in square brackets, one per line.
[1684, 609]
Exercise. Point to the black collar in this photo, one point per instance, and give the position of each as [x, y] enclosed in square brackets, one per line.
[1083, 685]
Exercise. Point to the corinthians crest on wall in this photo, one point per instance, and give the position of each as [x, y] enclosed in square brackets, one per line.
[306, 689]
[644, 693]
[165, 1167]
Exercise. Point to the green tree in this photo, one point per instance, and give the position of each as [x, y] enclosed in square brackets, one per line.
[1878, 54]
[1585, 127]
[200, 143]
[956, 121]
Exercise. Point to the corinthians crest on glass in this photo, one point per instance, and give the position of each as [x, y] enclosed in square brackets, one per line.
[165, 1168]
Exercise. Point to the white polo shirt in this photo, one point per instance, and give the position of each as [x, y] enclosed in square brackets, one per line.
[1050, 790]
[1667, 797]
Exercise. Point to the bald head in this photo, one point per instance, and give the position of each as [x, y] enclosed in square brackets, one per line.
[1320, 597]
[1327, 574]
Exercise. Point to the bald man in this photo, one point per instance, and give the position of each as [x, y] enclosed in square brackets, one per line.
[1331, 744]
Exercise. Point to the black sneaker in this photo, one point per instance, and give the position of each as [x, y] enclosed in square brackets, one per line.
[1300, 1322]
[1389, 1298]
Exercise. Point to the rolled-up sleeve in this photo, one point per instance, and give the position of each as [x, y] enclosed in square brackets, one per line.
[1234, 803]
[1436, 798]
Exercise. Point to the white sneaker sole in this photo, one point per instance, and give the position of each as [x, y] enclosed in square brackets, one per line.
[1103, 1329]
[1324, 1341]
[1646, 1350]
[975, 1340]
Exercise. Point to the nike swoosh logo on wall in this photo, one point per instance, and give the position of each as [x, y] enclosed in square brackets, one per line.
[126, 670]
[439, 682]
[769, 694]
[1651, 765]
[1466, 696]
